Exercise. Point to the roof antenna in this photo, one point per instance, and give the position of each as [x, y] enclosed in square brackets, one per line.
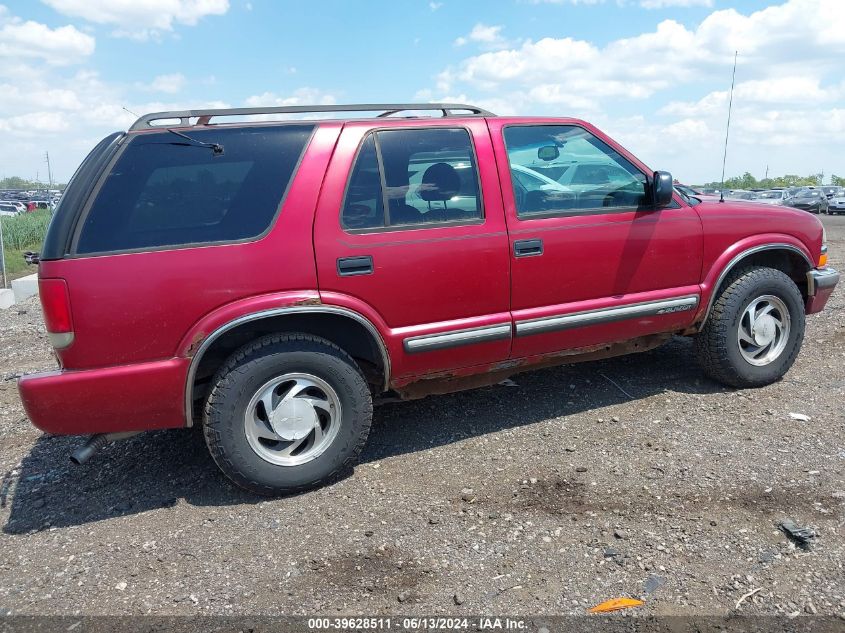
[727, 131]
[130, 111]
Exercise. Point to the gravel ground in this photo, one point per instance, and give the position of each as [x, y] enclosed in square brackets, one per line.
[541, 498]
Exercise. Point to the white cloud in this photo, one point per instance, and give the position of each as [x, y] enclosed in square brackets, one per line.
[61, 46]
[801, 35]
[301, 96]
[434, 5]
[35, 123]
[783, 91]
[567, 1]
[488, 36]
[170, 84]
[664, 4]
[788, 97]
[140, 19]
[645, 4]
[68, 114]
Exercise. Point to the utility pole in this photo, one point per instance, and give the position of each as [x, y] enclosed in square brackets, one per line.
[2, 254]
[49, 170]
[767, 173]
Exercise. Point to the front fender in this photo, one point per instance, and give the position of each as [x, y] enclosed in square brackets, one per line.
[738, 251]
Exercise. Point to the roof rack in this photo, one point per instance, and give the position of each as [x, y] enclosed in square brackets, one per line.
[387, 109]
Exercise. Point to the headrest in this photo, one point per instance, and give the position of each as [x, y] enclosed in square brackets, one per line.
[440, 183]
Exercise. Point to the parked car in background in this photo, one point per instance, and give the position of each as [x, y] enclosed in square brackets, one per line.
[296, 271]
[809, 199]
[773, 196]
[740, 194]
[836, 205]
[35, 205]
[19, 206]
[833, 190]
[8, 209]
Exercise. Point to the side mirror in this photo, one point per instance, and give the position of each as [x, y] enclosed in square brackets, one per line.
[661, 189]
[548, 152]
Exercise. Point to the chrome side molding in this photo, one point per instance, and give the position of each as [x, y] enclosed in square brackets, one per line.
[605, 315]
[445, 340]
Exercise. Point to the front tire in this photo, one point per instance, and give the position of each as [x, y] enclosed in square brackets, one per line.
[754, 331]
[286, 413]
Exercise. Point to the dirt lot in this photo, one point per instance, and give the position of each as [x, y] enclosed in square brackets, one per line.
[540, 498]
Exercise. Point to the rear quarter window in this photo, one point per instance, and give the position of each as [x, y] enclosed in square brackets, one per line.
[168, 191]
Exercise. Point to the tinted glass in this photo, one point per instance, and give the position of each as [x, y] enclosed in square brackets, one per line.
[563, 169]
[364, 204]
[429, 176]
[166, 190]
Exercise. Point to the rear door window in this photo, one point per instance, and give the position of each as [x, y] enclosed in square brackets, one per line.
[166, 190]
[413, 177]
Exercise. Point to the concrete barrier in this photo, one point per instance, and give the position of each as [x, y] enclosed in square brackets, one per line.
[25, 287]
[7, 299]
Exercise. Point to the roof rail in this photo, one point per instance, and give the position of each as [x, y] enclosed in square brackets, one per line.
[387, 109]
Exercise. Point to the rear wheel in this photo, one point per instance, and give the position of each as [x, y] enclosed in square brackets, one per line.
[287, 413]
[754, 331]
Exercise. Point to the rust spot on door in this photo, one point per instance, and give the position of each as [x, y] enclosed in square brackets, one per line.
[310, 301]
[193, 348]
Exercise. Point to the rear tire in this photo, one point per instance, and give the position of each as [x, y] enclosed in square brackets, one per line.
[286, 413]
[754, 331]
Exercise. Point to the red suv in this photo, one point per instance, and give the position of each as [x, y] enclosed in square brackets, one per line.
[269, 280]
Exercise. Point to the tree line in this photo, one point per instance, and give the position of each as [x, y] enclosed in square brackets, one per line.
[747, 181]
[16, 182]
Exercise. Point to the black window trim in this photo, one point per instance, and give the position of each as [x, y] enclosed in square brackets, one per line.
[90, 180]
[569, 213]
[420, 225]
[95, 192]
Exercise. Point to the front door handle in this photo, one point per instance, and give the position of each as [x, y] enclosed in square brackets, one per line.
[351, 266]
[527, 248]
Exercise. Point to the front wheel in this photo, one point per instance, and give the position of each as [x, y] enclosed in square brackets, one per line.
[286, 413]
[754, 331]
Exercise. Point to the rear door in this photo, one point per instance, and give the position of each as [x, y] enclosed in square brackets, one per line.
[410, 232]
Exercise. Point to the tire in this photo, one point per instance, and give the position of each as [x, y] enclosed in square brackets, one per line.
[727, 359]
[311, 370]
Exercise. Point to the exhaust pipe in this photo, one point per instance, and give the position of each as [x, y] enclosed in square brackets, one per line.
[95, 443]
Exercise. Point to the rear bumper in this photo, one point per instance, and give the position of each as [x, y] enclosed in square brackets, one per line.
[136, 397]
[820, 285]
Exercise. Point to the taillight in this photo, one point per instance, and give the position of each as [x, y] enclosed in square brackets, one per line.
[57, 317]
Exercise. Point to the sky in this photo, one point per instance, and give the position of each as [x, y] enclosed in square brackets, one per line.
[654, 74]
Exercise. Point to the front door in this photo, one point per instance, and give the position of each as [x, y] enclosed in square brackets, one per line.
[410, 232]
[591, 261]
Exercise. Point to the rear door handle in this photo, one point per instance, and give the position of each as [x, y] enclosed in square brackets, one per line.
[527, 248]
[351, 266]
